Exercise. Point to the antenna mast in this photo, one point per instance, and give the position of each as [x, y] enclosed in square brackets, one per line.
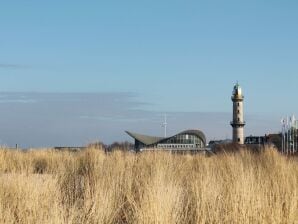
[165, 124]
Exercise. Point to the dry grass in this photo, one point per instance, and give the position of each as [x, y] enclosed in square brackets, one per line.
[92, 187]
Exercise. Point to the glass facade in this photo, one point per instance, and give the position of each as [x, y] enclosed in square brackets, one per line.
[183, 139]
[187, 140]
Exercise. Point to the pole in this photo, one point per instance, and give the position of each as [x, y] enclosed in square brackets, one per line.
[292, 141]
[287, 136]
[291, 135]
[294, 136]
[294, 128]
[165, 125]
[282, 135]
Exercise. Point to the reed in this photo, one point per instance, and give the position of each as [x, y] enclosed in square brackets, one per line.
[47, 186]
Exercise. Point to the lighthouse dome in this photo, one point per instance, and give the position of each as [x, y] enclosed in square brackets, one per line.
[237, 90]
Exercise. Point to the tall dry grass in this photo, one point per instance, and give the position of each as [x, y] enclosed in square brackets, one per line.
[92, 187]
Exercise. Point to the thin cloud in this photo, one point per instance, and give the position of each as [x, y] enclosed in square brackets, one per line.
[76, 119]
[12, 66]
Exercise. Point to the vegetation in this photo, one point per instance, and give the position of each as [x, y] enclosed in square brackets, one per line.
[47, 186]
[120, 146]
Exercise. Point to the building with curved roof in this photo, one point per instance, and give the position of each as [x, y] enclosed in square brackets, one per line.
[186, 140]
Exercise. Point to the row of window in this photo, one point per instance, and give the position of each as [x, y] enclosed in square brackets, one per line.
[183, 139]
[178, 146]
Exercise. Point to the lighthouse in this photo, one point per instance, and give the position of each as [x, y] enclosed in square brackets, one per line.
[238, 122]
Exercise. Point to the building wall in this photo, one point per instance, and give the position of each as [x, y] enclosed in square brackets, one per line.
[238, 115]
[238, 135]
[238, 120]
[138, 145]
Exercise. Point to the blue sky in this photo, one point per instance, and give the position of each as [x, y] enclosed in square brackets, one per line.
[179, 57]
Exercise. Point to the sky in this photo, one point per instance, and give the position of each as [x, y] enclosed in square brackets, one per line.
[72, 72]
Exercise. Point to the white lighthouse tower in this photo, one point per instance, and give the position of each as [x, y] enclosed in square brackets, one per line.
[238, 122]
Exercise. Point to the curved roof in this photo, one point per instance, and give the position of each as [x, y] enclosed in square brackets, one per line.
[150, 140]
[145, 139]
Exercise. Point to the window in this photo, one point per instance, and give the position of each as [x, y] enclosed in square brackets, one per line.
[238, 139]
[238, 112]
